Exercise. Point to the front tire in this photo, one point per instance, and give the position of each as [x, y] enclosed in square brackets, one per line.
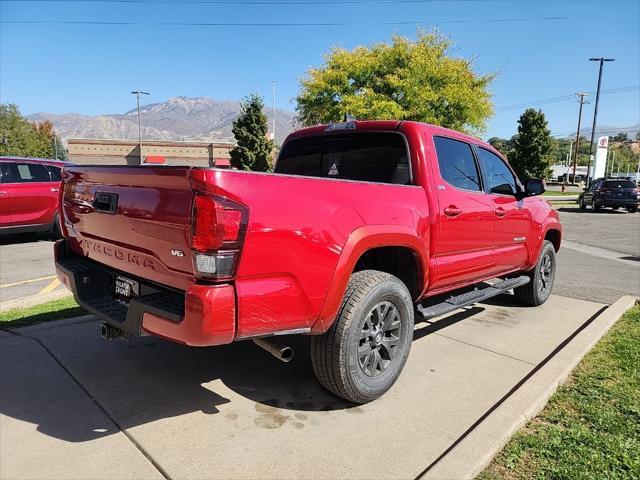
[537, 291]
[633, 209]
[363, 353]
[583, 204]
[594, 206]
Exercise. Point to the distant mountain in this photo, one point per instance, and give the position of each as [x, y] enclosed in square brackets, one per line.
[179, 118]
[602, 130]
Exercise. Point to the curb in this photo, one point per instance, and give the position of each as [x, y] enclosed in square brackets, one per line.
[476, 451]
[561, 198]
[33, 300]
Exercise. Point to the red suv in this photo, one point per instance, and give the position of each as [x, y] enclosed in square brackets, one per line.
[29, 195]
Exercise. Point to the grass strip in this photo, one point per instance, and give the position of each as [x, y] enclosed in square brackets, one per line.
[46, 312]
[591, 426]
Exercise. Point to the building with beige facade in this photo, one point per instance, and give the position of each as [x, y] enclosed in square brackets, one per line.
[126, 152]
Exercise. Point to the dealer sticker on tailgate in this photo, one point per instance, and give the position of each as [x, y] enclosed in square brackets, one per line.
[125, 289]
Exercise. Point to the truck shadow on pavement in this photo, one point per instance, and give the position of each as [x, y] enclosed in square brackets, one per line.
[143, 380]
[18, 238]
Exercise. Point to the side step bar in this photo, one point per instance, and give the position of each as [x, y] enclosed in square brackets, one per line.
[469, 298]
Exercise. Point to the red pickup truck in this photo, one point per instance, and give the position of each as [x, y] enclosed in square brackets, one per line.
[359, 232]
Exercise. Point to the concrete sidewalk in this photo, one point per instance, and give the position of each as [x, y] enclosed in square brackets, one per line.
[235, 412]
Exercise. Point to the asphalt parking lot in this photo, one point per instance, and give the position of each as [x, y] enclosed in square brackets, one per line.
[600, 256]
[26, 266]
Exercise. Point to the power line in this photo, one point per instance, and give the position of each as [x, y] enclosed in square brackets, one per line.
[261, 2]
[563, 98]
[290, 24]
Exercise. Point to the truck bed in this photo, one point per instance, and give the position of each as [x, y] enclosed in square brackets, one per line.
[297, 228]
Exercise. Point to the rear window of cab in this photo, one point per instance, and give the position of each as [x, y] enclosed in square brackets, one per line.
[380, 157]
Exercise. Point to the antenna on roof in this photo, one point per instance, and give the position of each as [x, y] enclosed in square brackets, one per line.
[349, 118]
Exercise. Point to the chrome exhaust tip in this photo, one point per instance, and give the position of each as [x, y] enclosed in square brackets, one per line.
[282, 352]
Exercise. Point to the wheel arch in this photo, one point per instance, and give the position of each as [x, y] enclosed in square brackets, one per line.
[366, 248]
[554, 235]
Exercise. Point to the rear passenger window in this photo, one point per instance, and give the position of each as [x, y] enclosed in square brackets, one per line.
[456, 162]
[29, 172]
[367, 157]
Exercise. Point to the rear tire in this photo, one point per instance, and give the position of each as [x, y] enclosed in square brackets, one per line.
[632, 209]
[594, 206]
[363, 353]
[537, 291]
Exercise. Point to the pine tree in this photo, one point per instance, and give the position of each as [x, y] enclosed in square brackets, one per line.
[253, 148]
[530, 157]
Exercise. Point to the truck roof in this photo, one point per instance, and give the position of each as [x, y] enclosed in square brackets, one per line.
[47, 161]
[387, 125]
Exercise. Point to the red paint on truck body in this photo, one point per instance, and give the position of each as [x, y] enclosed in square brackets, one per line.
[304, 236]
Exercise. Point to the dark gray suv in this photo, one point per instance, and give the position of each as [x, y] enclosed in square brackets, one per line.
[612, 193]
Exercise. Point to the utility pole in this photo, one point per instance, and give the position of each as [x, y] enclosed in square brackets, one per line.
[582, 101]
[137, 93]
[273, 113]
[595, 109]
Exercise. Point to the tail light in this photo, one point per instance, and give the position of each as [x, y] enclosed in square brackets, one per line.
[61, 220]
[217, 233]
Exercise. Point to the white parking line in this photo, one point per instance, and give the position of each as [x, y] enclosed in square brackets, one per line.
[600, 252]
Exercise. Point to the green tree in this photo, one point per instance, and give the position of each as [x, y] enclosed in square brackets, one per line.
[620, 137]
[19, 137]
[503, 145]
[253, 150]
[405, 80]
[531, 146]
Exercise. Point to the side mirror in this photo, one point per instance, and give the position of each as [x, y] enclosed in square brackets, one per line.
[534, 187]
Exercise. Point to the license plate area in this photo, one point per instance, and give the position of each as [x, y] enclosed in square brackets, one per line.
[125, 289]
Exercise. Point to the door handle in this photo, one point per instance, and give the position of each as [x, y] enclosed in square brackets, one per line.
[501, 212]
[452, 211]
[55, 189]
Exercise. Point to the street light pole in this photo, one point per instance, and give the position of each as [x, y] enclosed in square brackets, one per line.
[595, 109]
[137, 93]
[582, 101]
[273, 113]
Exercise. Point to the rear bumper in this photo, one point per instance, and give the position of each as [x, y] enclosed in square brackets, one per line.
[204, 315]
[616, 203]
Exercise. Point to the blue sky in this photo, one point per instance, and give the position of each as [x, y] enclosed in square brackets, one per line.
[91, 68]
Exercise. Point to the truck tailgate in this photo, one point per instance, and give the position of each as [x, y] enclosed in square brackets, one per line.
[134, 219]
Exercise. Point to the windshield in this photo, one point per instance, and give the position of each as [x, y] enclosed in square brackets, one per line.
[367, 156]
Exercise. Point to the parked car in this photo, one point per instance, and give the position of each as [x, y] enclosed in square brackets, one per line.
[29, 195]
[360, 226]
[611, 193]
